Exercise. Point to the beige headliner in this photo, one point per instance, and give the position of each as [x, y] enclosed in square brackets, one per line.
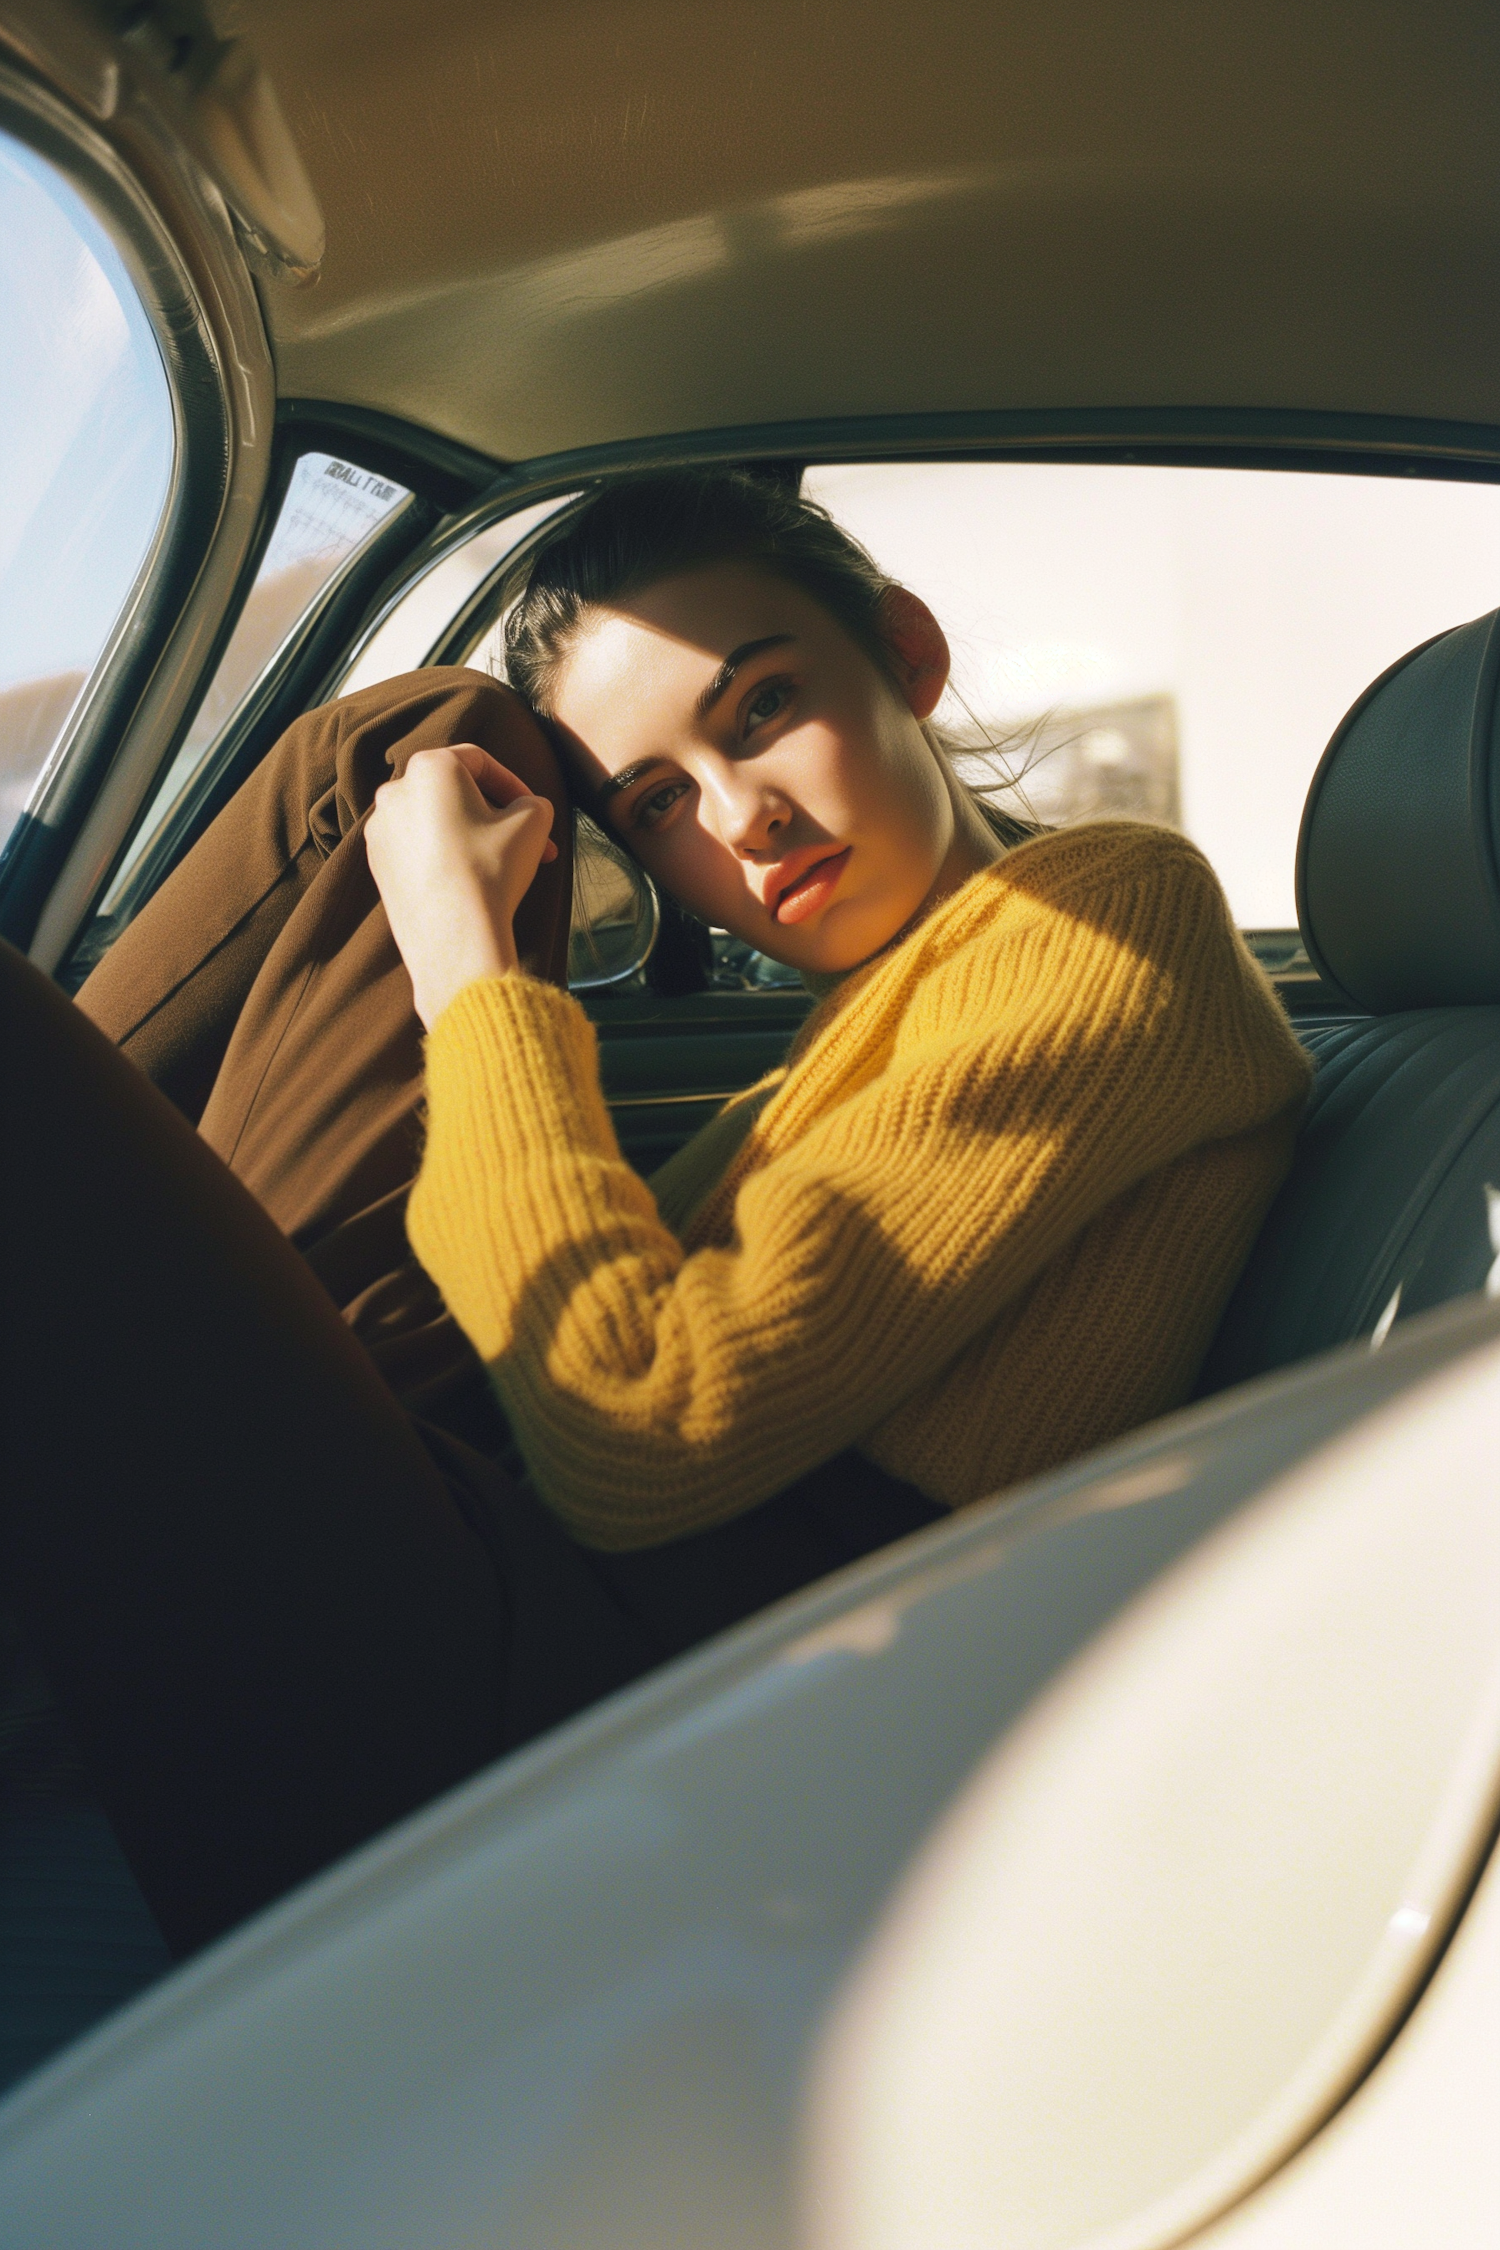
[563, 221]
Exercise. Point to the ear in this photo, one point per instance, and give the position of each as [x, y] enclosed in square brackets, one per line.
[920, 647]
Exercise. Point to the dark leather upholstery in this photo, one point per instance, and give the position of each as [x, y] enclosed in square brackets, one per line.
[1398, 893]
[1388, 1189]
[1398, 879]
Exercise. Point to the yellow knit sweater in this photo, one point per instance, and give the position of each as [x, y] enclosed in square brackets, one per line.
[986, 1216]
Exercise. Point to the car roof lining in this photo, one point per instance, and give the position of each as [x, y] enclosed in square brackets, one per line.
[606, 220]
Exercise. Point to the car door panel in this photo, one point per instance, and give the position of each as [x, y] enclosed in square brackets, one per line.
[669, 1065]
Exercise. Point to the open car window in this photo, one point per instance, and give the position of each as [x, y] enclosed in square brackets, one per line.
[86, 455]
[1167, 643]
[425, 616]
[1170, 643]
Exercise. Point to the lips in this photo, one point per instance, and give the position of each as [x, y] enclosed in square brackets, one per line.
[808, 891]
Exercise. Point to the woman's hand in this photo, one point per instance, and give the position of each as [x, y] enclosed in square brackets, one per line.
[454, 845]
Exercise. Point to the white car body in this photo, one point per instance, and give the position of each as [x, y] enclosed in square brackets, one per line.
[1108, 1867]
[1113, 1865]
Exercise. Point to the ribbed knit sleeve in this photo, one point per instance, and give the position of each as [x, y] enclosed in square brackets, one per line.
[1076, 1019]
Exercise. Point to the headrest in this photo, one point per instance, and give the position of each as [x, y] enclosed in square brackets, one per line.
[1398, 862]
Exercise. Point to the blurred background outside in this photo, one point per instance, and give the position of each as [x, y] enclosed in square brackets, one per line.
[1173, 643]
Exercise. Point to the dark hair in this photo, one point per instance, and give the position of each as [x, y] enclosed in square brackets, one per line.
[632, 534]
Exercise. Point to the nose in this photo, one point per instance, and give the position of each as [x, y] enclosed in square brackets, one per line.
[751, 815]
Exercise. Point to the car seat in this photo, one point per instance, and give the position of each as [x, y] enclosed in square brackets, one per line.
[1391, 1202]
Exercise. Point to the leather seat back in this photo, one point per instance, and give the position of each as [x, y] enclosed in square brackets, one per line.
[1398, 887]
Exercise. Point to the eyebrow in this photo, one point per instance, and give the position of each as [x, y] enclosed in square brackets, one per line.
[624, 779]
[719, 685]
[723, 679]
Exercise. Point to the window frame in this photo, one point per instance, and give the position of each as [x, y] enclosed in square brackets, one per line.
[439, 475]
[1288, 439]
[220, 384]
[1310, 442]
[470, 493]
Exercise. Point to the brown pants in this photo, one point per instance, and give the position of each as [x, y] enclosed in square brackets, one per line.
[279, 1613]
[261, 991]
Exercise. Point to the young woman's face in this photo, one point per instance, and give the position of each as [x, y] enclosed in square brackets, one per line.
[759, 766]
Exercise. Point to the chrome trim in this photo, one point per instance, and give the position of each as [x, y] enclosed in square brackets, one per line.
[481, 609]
[669, 1101]
[175, 236]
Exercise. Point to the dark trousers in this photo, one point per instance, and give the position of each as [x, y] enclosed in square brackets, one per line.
[253, 1520]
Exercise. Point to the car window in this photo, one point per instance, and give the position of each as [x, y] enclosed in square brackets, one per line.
[1162, 643]
[86, 454]
[1175, 644]
[331, 511]
[406, 636]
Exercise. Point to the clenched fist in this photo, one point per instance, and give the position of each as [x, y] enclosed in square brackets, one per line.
[454, 845]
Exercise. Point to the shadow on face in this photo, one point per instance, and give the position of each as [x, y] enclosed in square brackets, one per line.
[761, 766]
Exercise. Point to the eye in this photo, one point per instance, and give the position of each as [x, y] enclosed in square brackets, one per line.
[768, 702]
[651, 810]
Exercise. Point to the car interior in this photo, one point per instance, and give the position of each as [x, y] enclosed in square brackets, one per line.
[1390, 1206]
[406, 473]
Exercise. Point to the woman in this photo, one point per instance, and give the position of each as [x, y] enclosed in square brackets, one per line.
[986, 1216]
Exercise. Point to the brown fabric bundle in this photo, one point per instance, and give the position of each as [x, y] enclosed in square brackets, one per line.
[262, 992]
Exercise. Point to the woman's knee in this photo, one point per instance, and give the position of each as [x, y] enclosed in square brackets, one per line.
[510, 731]
[382, 726]
[385, 725]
